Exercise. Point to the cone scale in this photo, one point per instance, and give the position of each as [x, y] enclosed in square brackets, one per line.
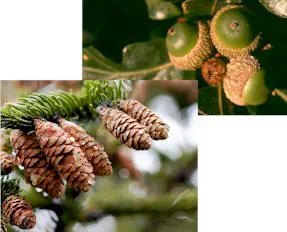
[93, 151]
[65, 155]
[7, 162]
[36, 168]
[18, 212]
[157, 129]
[125, 128]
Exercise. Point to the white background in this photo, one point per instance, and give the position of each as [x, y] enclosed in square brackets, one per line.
[41, 39]
[243, 174]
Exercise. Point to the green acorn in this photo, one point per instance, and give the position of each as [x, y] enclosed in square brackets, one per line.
[189, 44]
[234, 31]
[244, 83]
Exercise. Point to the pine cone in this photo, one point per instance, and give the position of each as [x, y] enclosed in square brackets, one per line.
[37, 170]
[125, 128]
[93, 151]
[157, 128]
[7, 162]
[3, 227]
[65, 155]
[18, 212]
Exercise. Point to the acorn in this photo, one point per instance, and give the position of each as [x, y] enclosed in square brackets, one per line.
[244, 83]
[213, 71]
[234, 31]
[189, 44]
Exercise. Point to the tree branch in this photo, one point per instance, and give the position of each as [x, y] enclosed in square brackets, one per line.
[170, 203]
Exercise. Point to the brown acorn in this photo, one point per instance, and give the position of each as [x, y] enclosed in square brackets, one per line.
[244, 83]
[213, 71]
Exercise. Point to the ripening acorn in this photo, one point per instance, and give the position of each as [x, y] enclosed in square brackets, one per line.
[213, 71]
[189, 44]
[234, 31]
[244, 83]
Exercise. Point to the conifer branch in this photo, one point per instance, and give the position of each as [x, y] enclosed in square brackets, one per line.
[9, 187]
[20, 115]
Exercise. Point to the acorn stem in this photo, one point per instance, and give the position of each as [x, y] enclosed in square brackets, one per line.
[220, 104]
[201, 112]
[279, 93]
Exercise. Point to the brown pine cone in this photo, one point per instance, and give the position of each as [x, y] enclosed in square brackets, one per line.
[158, 130]
[18, 212]
[125, 128]
[93, 151]
[3, 227]
[7, 162]
[65, 155]
[36, 168]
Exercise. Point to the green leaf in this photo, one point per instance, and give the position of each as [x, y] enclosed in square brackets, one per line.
[145, 54]
[199, 8]
[143, 60]
[277, 7]
[161, 10]
[92, 57]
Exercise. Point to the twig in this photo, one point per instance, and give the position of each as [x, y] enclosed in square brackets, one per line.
[280, 94]
[165, 204]
[220, 104]
[214, 7]
[201, 112]
[126, 74]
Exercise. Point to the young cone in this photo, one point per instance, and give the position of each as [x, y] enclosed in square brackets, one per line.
[18, 212]
[93, 151]
[37, 170]
[65, 155]
[7, 162]
[125, 128]
[157, 128]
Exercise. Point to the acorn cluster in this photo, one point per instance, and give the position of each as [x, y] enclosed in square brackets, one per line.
[233, 34]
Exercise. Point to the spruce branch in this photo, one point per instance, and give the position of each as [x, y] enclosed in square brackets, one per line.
[105, 92]
[20, 115]
[9, 187]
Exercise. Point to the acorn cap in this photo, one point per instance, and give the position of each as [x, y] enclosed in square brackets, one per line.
[189, 45]
[234, 32]
[244, 82]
